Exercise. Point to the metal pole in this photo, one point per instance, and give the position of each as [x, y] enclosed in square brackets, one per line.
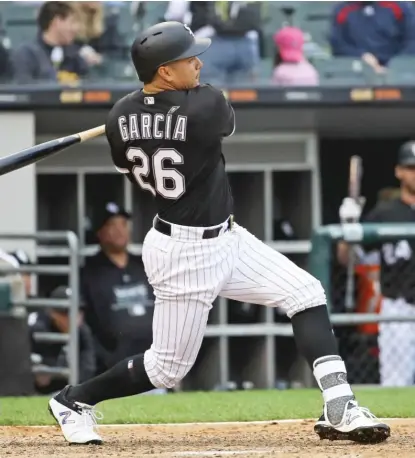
[74, 308]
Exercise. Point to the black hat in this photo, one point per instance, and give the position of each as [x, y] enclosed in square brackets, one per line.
[406, 156]
[110, 210]
[163, 43]
[64, 292]
[21, 257]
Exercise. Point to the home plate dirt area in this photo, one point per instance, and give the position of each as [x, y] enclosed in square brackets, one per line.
[280, 439]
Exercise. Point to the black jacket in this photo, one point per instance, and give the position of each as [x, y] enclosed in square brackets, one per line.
[118, 304]
[247, 17]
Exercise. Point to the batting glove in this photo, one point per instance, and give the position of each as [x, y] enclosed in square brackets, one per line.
[351, 210]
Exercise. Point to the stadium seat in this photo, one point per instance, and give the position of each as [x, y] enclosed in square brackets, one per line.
[115, 69]
[401, 70]
[343, 71]
[154, 13]
[21, 34]
[315, 20]
[266, 69]
[19, 20]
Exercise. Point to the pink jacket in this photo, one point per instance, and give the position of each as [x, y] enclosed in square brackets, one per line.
[295, 74]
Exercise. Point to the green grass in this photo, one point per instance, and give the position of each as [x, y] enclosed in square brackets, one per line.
[213, 406]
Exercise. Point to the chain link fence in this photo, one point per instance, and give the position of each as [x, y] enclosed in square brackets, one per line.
[375, 353]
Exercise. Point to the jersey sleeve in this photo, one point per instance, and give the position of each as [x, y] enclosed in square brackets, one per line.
[215, 113]
[116, 143]
[226, 116]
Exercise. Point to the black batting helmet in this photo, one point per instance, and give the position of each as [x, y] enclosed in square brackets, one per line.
[406, 155]
[163, 43]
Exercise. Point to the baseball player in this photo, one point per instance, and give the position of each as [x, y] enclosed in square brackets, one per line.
[166, 138]
[397, 265]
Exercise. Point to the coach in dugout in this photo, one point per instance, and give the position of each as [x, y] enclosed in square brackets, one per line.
[119, 302]
[397, 261]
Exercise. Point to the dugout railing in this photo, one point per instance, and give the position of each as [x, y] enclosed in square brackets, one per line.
[72, 304]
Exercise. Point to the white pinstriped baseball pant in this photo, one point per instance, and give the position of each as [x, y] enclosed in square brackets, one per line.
[188, 273]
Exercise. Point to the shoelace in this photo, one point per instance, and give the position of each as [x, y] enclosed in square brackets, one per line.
[90, 414]
[364, 410]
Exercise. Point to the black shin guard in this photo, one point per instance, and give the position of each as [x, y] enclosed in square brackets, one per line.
[313, 333]
[126, 378]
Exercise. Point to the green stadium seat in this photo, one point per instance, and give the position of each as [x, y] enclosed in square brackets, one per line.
[266, 68]
[343, 71]
[115, 69]
[154, 12]
[315, 18]
[19, 11]
[401, 70]
[19, 20]
[21, 34]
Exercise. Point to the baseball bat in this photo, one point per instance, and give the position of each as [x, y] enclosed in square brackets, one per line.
[355, 177]
[36, 153]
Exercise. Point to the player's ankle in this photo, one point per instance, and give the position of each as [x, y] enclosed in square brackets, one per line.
[331, 376]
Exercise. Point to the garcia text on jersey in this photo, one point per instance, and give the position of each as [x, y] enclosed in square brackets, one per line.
[153, 126]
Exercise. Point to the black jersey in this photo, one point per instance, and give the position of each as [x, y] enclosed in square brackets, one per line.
[397, 257]
[170, 144]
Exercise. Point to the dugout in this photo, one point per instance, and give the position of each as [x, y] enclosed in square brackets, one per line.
[287, 161]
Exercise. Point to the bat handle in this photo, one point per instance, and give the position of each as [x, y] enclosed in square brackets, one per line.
[91, 133]
[349, 299]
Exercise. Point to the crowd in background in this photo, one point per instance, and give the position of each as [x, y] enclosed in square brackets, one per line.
[75, 41]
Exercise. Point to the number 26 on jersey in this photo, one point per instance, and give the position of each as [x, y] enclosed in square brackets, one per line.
[168, 182]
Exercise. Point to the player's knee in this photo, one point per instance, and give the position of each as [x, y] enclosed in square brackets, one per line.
[311, 294]
[162, 372]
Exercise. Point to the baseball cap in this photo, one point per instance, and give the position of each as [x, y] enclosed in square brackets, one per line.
[290, 41]
[64, 292]
[110, 210]
[406, 155]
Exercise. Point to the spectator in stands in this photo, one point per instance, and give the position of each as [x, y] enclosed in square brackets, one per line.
[234, 29]
[374, 31]
[55, 354]
[90, 18]
[53, 56]
[118, 299]
[291, 66]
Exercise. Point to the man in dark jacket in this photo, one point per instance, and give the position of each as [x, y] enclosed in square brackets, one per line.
[52, 56]
[55, 354]
[234, 28]
[373, 31]
[119, 302]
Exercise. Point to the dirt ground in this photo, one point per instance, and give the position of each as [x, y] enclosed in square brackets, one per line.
[240, 440]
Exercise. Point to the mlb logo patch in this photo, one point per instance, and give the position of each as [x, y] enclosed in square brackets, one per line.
[149, 100]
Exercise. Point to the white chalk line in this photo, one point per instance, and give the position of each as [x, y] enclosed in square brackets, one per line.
[217, 423]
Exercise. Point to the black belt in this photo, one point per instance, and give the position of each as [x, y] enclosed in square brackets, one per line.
[165, 228]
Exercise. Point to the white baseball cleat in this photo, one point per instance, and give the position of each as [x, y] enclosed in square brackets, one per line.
[358, 424]
[77, 420]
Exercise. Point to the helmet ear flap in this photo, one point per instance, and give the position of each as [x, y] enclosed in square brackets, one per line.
[147, 77]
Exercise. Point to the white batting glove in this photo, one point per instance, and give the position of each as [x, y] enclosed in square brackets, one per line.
[350, 210]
